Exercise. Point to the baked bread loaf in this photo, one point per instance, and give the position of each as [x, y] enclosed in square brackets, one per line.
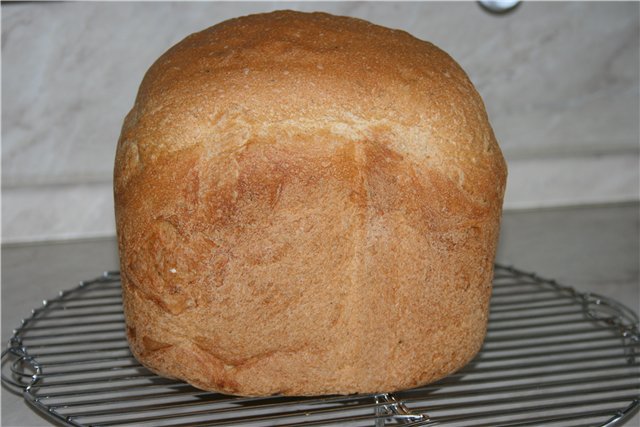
[306, 204]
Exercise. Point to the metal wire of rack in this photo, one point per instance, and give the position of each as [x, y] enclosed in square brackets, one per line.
[552, 356]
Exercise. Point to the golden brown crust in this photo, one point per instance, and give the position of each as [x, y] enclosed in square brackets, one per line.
[306, 204]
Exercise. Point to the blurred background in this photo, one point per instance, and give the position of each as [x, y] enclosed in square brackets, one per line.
[559, 80]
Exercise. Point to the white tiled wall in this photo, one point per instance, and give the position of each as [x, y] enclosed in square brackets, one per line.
[560, 81]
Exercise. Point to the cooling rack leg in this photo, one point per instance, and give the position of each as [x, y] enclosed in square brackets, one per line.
[387, 407]
[381, 414]
[17, 370]
[382, 410]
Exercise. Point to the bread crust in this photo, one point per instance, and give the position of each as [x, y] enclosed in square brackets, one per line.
[306, 204]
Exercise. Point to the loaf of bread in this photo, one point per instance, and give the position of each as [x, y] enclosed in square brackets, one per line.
[306, 204]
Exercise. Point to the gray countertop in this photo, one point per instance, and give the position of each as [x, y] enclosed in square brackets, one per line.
[593, 249]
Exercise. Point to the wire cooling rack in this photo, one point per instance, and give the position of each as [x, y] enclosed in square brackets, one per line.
[552, 356]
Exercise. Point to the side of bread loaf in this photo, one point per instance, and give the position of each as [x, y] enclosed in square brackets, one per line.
[306, 204]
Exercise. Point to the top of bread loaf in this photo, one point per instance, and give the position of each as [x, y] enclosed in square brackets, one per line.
[287, 73]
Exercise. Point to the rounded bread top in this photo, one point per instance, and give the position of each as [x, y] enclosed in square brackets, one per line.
[285, 73]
